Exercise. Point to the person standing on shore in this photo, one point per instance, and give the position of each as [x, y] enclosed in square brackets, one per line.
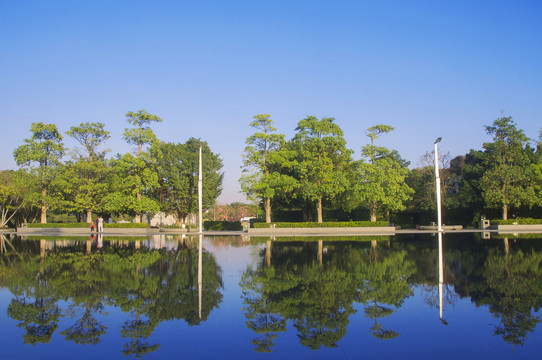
[100, 224]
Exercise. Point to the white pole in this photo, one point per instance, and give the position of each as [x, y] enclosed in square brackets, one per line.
[200, 192]
[200, 271]
[440, 273]
[437, 181]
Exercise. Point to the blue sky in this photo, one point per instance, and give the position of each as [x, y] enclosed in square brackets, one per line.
[428, 68]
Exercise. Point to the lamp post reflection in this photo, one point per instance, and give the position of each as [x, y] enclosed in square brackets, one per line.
[200, 273]
[440, 277]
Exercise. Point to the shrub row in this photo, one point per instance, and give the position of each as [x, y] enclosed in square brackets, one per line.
[525, 221]
[85, 225]
[330, 224]
[186, 226]
[222, 225]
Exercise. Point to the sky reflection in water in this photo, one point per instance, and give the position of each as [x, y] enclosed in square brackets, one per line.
[290, 297]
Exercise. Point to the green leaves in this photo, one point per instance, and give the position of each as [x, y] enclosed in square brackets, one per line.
[264, 159]
[505, 181]
[381, 181]
[90, 135]
[177, 170]
[141, 134]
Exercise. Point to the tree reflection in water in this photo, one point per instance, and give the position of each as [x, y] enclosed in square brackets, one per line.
[152, 285]
[317, 291]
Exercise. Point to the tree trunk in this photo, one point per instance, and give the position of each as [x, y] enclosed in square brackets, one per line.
[373, 212]
[268, 210]
[268, 253]
[89, 216]
[307, 212]
[505, 212]
[138, 214]
[319, 209]
[321, 253]
[43, 206]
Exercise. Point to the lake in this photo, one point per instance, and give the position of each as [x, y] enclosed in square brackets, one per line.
[232, 297]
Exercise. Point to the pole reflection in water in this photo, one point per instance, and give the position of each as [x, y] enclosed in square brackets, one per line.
[440, 276]
[268, 253]
[200, 274]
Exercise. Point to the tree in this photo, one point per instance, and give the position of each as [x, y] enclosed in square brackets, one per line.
[141, 135]
[131, 187]
[263, 156]
[177, 168]
[90, 136]
[14, 194]
[381, 181]
[322, 161]
[505, 182]
[83, 181]
[42, 153]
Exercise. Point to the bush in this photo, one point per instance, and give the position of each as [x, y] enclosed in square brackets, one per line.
[519, 221]
[85, 225]
[59, 225]
[329, 224]
[222, 225]
[126, 225]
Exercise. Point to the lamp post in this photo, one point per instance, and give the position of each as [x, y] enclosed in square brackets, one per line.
[200, 181]
[437, 182]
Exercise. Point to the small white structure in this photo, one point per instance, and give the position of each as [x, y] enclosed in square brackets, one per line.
[160, 219]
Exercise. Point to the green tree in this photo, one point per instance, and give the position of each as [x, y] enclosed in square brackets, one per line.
[140, 168]
[505, 182]
[15, 193]
[263, 157]
[90, 136]
[83, 181]
[381, 181]
[141, 134]
[131, 187]
[177, 167]
[42, 153]
[322, 162]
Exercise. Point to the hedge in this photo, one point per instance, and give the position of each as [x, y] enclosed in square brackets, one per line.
[59, 225]
[330, 224]
[344, 238]
[186, 226]
[524, 221]
[222, 225]
[85, 225]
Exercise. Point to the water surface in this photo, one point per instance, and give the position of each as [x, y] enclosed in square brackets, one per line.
[162, 297]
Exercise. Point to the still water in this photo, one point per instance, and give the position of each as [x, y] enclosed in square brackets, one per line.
[163, 297]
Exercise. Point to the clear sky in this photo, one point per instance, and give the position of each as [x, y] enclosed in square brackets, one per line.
[428, 68]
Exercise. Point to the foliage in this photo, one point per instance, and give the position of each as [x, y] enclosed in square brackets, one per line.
[263, 158]
[90, 136]
[518, 221]
[42, 154]
[329, 224]
[381, 181]
[177, 168]
[85, 225]
[222, 225]
[322, 160]
[505, 183]
[232, 212]
[141, 134]
[15, 196]
[131, 183]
